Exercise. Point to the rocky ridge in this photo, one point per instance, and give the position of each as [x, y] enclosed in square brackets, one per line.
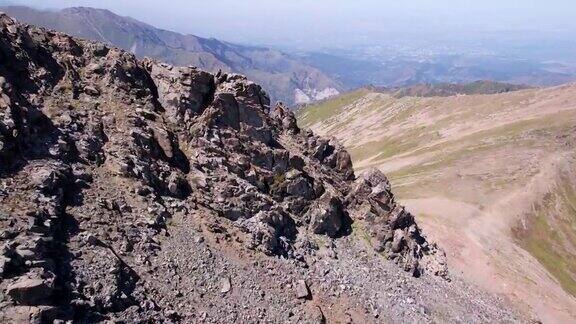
[137, 190]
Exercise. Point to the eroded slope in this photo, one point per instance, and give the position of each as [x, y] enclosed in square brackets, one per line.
[490, 176]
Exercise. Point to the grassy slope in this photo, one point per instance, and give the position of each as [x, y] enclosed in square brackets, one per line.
[551, 235]
[321, 111]
[464, 166]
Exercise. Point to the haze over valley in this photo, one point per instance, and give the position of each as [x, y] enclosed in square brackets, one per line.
[310, 57]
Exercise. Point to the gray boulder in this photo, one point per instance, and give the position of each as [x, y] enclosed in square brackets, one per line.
[27, 291]
[326, 215]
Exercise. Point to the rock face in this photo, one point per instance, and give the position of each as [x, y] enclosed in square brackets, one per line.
[128, 188]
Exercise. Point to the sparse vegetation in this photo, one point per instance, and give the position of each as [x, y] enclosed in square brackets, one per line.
[551, 236]
[324, 110]
[473, 151]
[360, 231]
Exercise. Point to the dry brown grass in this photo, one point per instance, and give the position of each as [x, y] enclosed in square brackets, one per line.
[482, 151]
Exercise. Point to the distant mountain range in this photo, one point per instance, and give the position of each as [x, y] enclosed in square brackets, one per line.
[303, 77]
[359, 67]
[285, 77]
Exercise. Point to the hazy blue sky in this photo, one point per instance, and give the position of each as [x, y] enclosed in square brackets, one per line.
[332, 22]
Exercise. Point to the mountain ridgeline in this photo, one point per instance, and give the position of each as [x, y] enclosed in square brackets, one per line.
[285, 78]
[452, 89]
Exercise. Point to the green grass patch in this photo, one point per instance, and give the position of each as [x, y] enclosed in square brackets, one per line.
[384, 147]
[359, 230]
[551, 235]
[324, 110]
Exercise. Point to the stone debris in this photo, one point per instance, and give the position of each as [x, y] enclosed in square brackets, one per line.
[302, 290]
[226, 285]
[127, 184]
[318, 316]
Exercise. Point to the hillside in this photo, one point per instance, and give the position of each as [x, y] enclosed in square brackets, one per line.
[452, 89]
[284, 77]
[135, 191]
[491, 177]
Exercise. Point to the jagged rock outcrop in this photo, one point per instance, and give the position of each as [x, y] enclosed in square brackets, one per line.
[101, 153]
